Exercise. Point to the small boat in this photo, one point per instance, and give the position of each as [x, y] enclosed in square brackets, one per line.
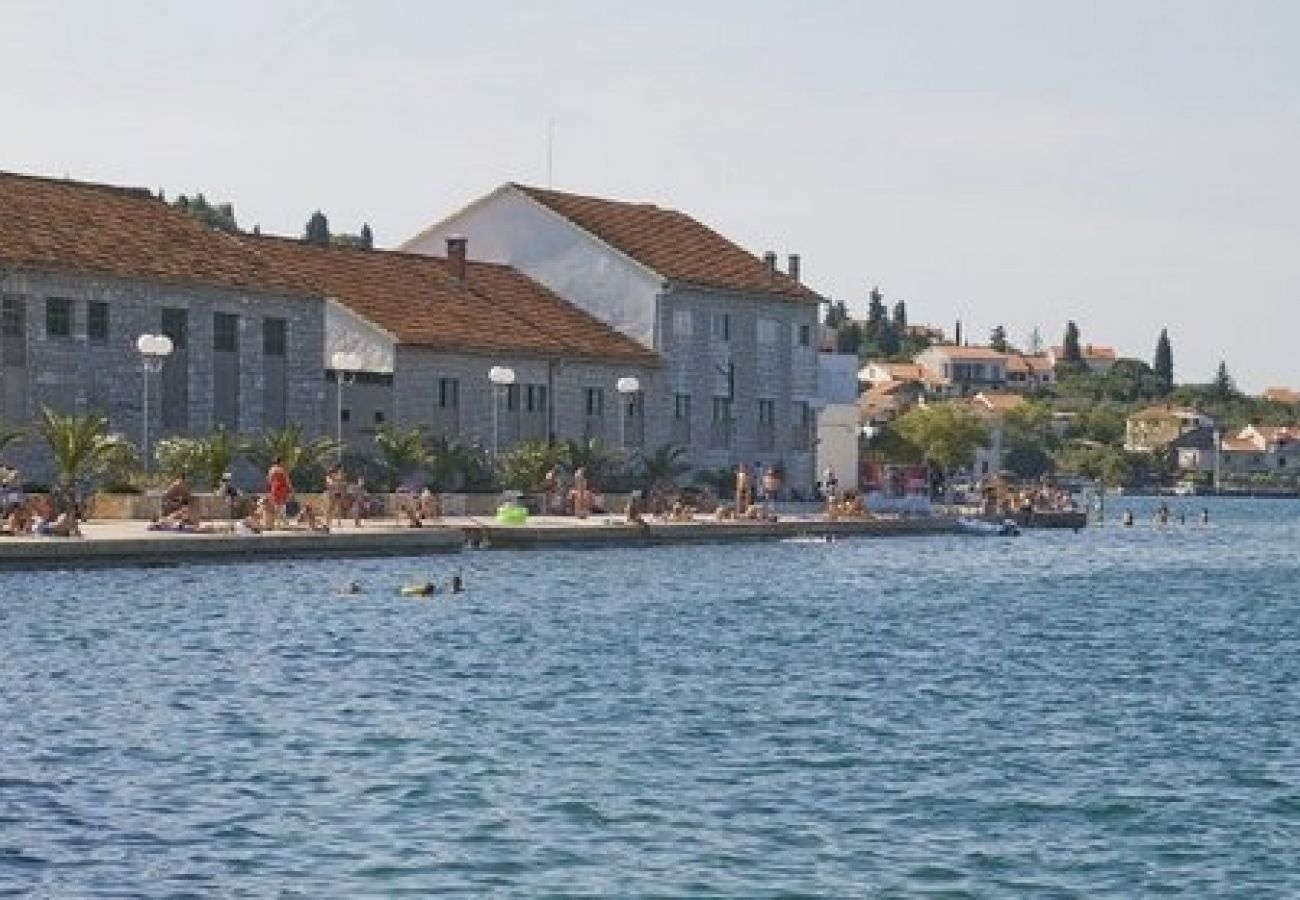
[1005, 528]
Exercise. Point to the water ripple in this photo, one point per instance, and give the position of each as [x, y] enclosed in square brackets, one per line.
[1109, 713]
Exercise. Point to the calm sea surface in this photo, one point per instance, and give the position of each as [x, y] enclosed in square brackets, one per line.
[1111, 713]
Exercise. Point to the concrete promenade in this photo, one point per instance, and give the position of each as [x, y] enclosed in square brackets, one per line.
[128, 542]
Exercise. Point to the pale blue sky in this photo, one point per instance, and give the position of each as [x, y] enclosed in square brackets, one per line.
[1127, 164]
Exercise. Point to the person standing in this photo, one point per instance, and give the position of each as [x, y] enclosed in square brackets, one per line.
[279, 488]
[742, 489]
[771, 486]
[830, 484]
[336, 495]
[581, 494]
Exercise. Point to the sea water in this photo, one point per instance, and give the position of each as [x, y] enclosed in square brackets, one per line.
[1106, 713]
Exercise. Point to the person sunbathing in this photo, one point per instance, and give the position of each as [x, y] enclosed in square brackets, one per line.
[309, 518]
[19, 521]
[430, 505]
[182, 519]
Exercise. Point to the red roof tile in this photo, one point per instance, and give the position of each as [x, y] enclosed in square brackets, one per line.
[418, 300]
[53, 224]
[671, 243]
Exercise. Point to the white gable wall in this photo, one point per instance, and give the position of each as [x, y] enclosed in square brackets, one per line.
[509, 227]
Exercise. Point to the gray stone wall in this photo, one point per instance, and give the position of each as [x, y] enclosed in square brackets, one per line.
[82, 373]
[762, 349]
[418, 395]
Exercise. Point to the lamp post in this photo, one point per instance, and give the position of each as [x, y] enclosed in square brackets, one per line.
[344, 362]
[154, 350]
[501, 377]
[627, 388]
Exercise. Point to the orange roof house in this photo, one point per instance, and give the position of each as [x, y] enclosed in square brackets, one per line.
[429, 302]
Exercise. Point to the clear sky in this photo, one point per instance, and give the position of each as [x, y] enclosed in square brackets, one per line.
[1130, 164]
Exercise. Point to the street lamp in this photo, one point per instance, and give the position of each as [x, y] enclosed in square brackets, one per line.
[627, 387]
[501, 377]
[344, 362]
[154, 350]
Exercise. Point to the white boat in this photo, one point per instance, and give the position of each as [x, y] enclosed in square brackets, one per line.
[1005, 528]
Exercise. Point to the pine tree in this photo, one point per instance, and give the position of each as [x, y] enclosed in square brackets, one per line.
[1070, 348]
[318, 229]
[998, 339]
[900, 318]
[1223, 388]
[1163, 364]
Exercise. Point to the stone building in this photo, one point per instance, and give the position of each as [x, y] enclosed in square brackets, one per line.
[86, 269]
[737, 336]
[423, 333]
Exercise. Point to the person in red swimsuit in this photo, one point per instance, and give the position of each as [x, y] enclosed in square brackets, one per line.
[279, 487]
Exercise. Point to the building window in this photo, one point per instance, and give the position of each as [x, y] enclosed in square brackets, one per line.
[176, 325]
[721, 327]
[801, 430]
[225, 333]
[97, 322]
[805, 335]
[683, 322]
[275, 337]
[448, 393]
[535, 398]
[767, 412]
[58, 317]
[681, 407]
[595, 402]
[11, 315]
[345, 415]
[379, 417]
[721, 410]
[512, 398]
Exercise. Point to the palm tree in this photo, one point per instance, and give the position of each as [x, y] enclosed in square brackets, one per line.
[215, 453]
[402, 452]
[299, 454]
[593, 456]
[721, 481]
[81, 448]
[661, 469]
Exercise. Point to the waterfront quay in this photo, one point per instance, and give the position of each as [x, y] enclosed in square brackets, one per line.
[128, 542]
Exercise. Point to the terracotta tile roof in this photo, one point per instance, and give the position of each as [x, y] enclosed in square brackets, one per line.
[1020, 362]
[1239, 445]
[418, 300]
[1282, 395]
[1272, 435]
[671, 243]
[53, 224]
[1088, 351]
[952, 351]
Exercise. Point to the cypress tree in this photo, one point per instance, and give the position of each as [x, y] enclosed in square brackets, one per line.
[998, 339]
[1070, 348]
[318, 229]
[1163, 364]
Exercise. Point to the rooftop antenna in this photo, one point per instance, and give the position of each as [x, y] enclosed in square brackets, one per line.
[550, 152]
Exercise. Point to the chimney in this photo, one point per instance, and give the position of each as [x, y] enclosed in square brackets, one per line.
[457, 248]
[769, 260]
[793, 268]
